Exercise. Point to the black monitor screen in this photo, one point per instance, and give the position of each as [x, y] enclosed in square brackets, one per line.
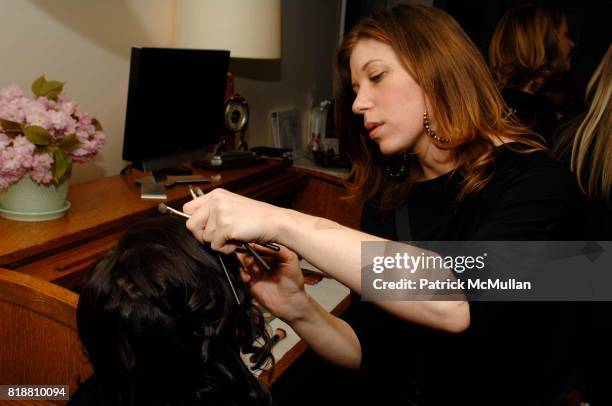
[175, 105]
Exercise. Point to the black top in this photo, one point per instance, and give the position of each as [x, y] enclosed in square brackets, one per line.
[535, 110]
[512, 353]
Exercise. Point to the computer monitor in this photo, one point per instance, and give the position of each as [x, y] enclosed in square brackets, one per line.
[175, 106]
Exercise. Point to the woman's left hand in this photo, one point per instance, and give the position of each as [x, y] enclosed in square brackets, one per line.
[281, 289]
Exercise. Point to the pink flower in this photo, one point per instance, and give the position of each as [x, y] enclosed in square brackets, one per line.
[41, 168]
[68, 107]
[60, 118]
[37, 114]
[11, 92]
[88, 148]
[7, 179]
[12, 109]
[83, 118]
[47, 103]
[4, 140]
[11, 168]
[24, 149]
[9, 161]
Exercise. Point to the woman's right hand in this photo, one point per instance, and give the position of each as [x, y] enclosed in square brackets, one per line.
[225, 219]
[281, 289]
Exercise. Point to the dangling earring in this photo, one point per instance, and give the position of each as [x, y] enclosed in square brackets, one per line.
[402, 170]
[431, 132]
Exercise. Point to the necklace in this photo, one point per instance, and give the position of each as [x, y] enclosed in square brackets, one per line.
[402, 170]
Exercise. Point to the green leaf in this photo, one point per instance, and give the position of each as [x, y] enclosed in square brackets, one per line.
[69, 143]
[37, 85]
[62, 164]
[96, 124]
[37, 135]
[51, 89]
[52, 95]
[11, 128]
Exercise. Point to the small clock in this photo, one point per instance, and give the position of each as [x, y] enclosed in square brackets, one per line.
[236, 114]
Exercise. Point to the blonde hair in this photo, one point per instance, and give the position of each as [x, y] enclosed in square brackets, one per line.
[525, 46]
[463, 98]
[591, 159]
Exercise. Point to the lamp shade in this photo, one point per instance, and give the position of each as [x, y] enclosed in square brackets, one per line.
[247, 28]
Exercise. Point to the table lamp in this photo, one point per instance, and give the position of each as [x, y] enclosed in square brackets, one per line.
[249, 29]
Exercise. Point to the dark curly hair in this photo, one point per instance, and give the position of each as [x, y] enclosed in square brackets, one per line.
[161, 326]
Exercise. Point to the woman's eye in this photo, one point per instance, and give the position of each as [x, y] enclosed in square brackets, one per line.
[377, 77]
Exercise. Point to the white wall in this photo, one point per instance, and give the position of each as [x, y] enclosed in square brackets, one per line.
[86, 43]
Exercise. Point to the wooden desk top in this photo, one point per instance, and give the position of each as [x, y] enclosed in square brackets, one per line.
[105, 205]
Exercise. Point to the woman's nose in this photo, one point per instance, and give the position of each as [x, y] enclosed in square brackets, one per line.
[361, 103]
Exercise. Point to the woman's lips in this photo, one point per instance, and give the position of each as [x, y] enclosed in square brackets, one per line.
[374, 131]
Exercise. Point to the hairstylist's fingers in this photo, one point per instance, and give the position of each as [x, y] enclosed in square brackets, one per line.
[249, 264]
[199, 223]
[227, 247]
[249, 279]
[214, 234]
[250, 274]
[245, 259]
[219, 241]
[245, 276]
[193, 205]
[284, 254]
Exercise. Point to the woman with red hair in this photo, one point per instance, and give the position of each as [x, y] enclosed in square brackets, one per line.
[435, 157]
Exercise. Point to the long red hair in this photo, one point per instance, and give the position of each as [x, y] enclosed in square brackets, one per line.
[462, 95]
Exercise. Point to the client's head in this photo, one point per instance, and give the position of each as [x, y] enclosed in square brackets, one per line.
[160, 323]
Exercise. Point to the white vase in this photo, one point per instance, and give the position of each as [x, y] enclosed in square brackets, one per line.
[26, 200]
